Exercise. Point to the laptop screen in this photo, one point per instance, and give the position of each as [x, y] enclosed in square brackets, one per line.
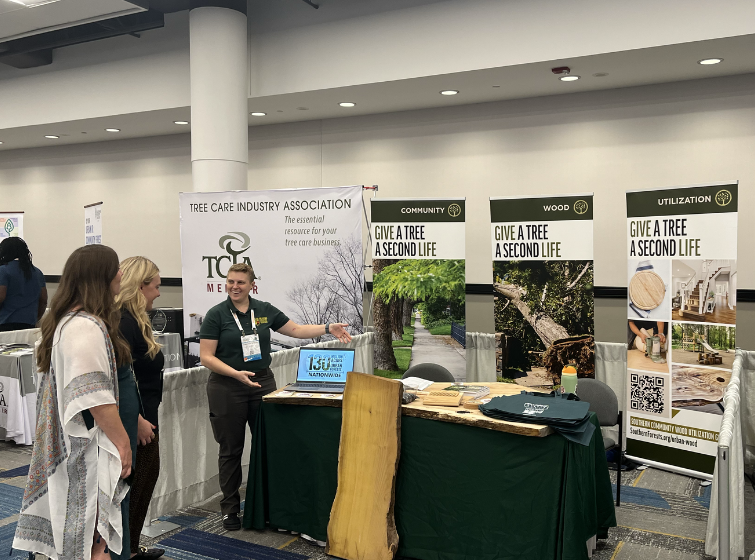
[325, 364]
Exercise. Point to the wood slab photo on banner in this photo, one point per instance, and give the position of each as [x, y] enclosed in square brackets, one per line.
[419, 284]
[681, 322]
[543, 281]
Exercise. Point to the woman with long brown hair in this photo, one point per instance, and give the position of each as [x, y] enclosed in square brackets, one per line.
[82, 452]
[140, 286]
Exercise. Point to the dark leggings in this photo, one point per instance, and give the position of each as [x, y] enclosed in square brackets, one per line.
[146, 471]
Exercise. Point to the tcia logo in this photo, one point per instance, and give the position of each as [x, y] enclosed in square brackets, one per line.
[234, 243]
[723, 197]
[454, 210]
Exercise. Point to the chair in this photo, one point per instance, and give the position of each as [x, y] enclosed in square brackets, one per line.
[431, 372]
[605, 405]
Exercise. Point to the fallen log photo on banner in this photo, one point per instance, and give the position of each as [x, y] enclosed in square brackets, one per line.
[419, 281]
[543, 282]
[681, 323]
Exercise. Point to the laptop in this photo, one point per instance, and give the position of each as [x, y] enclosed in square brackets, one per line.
[323, 370]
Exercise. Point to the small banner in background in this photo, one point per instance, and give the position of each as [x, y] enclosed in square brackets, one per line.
[543, 282]
[93, 224]
[681, 327]
[305, 246]
[11, 224]
[419, 283]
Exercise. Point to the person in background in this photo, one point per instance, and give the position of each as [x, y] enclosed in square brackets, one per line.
[85, 395]
[237, 381]
[140, 286]
[23, 295]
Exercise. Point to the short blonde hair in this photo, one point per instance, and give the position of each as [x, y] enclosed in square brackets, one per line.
[245, 268]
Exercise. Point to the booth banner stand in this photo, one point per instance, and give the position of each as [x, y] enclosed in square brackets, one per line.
[11, 224]
[305, 246]
[543, 281]
[681, 328]
[93, 224]
[419, 282]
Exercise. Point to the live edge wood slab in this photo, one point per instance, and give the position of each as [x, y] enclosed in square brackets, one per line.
[439, 413]
[359, 528]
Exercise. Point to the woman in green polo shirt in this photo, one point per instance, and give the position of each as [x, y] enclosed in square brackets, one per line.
[237, 352]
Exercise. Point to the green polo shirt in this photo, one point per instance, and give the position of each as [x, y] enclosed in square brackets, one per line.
[219, 325]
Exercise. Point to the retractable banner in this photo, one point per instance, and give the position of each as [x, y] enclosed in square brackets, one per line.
[93, 224]
[681, 311]
[11, 224]
[305, 246]
[543, 282]
[419, 283]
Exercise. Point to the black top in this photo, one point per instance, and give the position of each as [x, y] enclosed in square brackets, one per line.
[219, 325]
[148, 371]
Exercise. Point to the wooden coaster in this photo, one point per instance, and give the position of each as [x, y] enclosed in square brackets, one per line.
[646, 290]
[442, 398]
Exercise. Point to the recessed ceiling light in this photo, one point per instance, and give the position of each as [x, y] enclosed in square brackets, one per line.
[180, 122]
[112, 130]
[347, 104]
[51, 136]
[258, 114]
[709, 61]
[449, 92]
[2, 142]
[569, 78]
[33, 3]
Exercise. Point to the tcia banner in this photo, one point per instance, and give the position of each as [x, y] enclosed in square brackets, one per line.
[93, 224]
[681, 311]
[11, 224]
[419, 283]
[543, 281]
[305, 246]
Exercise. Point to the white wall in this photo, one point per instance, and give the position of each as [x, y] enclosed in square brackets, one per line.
[606, 142]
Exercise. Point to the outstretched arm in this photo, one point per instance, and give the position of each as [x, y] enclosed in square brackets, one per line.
[312, 331]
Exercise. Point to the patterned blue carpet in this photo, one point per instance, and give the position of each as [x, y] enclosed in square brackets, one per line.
[191, 544]
[12, 473]
[10, 500]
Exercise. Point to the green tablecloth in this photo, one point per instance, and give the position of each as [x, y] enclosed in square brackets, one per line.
[461, 492]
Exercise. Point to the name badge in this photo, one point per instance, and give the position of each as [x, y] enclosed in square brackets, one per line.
[250, 345]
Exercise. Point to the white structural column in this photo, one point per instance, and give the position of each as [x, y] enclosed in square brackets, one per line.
[219, 91]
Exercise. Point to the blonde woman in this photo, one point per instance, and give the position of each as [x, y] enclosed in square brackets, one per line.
[140, 286]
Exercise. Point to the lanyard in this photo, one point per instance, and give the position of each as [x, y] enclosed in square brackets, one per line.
[238, 323]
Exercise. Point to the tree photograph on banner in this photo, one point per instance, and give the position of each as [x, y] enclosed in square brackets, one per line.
[545, 313]
[543, 303]
[419, 301]
[681, 322]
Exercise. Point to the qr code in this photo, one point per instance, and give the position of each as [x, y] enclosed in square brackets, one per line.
[647, 393]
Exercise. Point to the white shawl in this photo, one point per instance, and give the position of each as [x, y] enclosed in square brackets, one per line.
[74, 477]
